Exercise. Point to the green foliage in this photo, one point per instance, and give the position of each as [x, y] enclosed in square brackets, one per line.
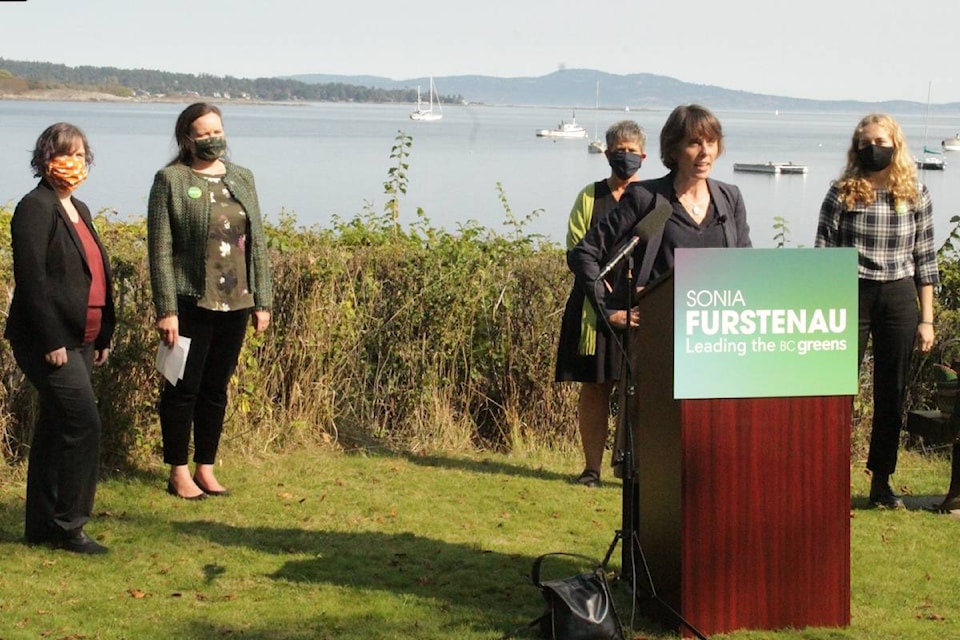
[948, 257]
[782, 231]
[397, 180]
[921, 392]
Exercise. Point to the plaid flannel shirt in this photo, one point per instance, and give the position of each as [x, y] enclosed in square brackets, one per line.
[891, 245]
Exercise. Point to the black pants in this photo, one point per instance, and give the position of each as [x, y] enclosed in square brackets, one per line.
[889, 313]
[65, 450]
[200, 398]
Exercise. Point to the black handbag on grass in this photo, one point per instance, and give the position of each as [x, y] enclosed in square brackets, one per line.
[579, 607]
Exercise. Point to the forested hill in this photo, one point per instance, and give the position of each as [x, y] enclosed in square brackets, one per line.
[20, 76]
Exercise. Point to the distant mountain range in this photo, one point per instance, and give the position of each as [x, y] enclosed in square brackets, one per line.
[577, 88]
[567, 88]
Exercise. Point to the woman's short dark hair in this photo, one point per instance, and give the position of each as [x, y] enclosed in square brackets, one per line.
[183, 133]
[685, 122]
[57, 140]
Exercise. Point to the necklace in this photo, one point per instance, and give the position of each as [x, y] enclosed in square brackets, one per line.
[697, 207]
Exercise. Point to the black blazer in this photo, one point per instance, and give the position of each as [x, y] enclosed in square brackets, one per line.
[49, 307]
[602, 241]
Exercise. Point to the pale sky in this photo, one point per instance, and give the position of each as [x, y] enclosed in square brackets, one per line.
[867, 50]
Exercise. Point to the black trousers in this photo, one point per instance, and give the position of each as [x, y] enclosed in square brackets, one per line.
[889, 313]
[200, 398]
[65, 450]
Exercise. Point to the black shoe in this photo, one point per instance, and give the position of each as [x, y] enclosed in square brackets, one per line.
[172, 491]
[589, 478]
[882, 495]
[950, 503]
[219, 494]
[77, 541]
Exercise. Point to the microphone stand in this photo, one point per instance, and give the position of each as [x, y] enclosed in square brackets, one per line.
[629, 531]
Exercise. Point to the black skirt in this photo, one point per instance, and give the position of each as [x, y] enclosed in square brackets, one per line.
[603, 365]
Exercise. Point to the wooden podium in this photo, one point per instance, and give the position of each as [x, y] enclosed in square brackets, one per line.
[743, 505]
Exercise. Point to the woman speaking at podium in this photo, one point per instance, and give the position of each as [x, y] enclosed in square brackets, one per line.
[704, 213]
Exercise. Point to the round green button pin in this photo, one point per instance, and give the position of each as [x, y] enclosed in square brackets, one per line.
[194, 192]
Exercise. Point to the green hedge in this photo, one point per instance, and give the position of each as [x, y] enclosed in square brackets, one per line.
[418, 339]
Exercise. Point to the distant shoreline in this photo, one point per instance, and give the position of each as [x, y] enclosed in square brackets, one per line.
[76, 95]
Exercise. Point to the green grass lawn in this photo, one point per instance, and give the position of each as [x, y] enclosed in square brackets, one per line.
[330, 545]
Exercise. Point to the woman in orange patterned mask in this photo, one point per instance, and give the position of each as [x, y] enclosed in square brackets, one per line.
[60, 325]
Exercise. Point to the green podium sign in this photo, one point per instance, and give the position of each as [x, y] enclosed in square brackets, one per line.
[752, 323]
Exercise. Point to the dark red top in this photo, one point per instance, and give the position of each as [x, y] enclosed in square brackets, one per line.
[98, 282]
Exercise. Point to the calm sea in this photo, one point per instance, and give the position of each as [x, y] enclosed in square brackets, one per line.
[321, 160]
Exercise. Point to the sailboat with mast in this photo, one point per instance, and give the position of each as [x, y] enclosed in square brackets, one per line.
[597, 145]
[930, 160]
[428, 114]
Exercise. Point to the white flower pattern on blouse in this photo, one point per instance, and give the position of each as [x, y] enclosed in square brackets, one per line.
[226, 269]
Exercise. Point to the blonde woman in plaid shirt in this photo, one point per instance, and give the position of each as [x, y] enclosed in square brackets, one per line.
[879, 207]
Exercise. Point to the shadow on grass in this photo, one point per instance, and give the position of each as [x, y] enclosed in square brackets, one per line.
[11, 519]
[489, 591]
[921, 502]
[12, 507]
[490, 466]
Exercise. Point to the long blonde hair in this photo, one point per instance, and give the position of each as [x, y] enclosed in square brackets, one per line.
[856, 188]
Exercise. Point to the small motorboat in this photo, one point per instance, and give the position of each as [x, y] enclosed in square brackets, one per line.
[564, 130]
[951, 144]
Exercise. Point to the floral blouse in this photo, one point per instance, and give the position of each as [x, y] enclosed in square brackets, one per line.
[226, 282]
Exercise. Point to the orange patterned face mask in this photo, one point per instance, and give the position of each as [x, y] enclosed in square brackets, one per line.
[67, 172]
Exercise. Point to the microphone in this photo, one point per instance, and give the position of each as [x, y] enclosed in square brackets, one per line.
[642, 231]
[623, 253]
[723, 221]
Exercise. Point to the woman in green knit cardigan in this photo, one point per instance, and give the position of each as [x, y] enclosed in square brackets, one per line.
[210, 275]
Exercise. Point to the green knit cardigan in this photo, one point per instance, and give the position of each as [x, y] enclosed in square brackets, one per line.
[178, 224]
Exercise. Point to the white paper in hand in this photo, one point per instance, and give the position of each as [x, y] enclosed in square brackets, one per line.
[171, 361]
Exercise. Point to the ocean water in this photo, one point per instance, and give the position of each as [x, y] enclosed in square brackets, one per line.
[322, 160]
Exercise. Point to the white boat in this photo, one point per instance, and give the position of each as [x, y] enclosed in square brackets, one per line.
[597, 145]
[564, 130]
[931, 162]
[770, 167]
[951, 144]
[428, 115]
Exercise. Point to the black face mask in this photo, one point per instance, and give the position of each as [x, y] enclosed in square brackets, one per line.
[874, 158]
[624, 163]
